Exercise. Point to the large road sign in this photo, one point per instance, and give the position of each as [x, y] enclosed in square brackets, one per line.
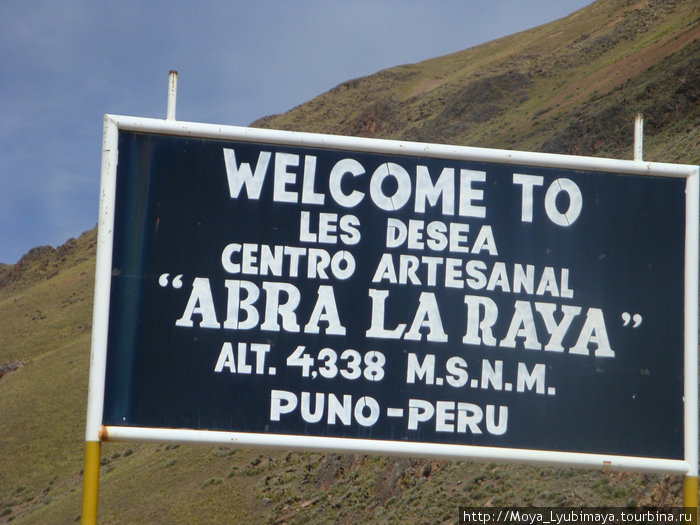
[312, 291]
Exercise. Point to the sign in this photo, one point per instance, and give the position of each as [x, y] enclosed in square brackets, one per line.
[327, 292]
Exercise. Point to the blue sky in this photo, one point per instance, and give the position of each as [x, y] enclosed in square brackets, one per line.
[63, 64]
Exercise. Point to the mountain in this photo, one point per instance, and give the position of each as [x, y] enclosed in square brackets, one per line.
[571, 86]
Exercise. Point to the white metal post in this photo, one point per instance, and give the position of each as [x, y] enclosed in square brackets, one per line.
[638, 137]
[172, 95]
[690, 481]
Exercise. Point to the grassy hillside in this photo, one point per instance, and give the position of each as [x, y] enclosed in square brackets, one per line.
[572, 86]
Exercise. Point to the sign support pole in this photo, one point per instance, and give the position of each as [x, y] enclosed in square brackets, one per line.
[91, 482]
[690, 480]
[690, 492]
[93, 444]
[638, 137]
[172, 95]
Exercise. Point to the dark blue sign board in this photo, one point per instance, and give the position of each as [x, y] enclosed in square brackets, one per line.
[334, 292]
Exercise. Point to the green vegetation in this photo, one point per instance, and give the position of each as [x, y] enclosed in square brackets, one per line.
[572, 86]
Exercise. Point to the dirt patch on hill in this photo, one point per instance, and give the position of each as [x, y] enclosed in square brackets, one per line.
[612, 76]
[423, 88]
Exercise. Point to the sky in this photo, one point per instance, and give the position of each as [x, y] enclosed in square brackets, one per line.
[65, 63]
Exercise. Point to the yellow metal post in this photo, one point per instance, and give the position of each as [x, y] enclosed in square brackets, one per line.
[690, 492]
[91, 481]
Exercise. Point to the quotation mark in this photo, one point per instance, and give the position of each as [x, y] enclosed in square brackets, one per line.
[164, 279]
[627, 317]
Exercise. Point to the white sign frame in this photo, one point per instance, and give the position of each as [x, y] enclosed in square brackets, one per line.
[95, 431]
